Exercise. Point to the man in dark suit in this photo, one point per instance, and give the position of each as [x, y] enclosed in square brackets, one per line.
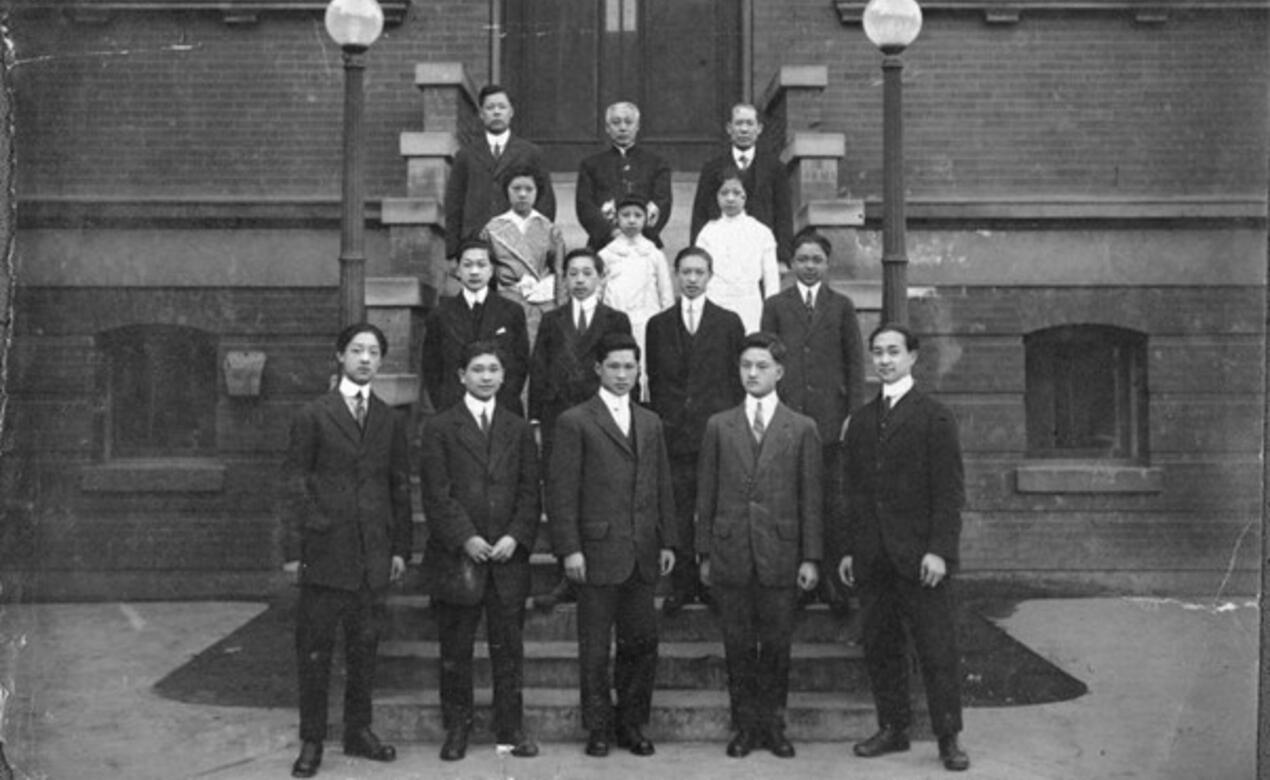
[692, 349]
[759, 533]
[347, 531]
[763, 174]
[623, 169]
[475, 314]
[824, 369]
[480, 496]
[899, 541]
[472, 193]
[612, 515]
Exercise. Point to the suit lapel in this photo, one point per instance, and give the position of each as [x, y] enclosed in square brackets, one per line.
[740, 437]
[502, 437]
[773, 438]
[468, 432]
[899, 416]
[337, 409]
[609, 425]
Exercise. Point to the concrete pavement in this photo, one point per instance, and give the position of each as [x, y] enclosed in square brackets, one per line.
[1172, 687]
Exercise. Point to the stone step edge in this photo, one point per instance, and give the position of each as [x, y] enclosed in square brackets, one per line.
[663, 698]
[423, 602]
[424, 649]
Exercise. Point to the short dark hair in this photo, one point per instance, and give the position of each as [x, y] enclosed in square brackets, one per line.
[910, 338]
[474, 243]
[532, 171]
[633, 199]
[583, 251]
[615, 342]
[351, 332]
[764, 340]
[695, 251]
[732, 172]
[474, 349]
[491, 89]
[812, 236]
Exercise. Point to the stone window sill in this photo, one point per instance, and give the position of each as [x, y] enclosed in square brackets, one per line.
[154, 475]
[1087, 476]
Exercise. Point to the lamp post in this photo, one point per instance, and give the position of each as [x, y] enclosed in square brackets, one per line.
[354, 25]
[891, 25]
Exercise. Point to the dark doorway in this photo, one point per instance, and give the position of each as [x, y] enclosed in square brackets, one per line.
[678, 60]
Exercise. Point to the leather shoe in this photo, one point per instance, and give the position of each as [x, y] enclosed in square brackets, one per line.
[597, 743]
[674, 603]
[363, 742]
[309, 761]
[954, 758]
[887, 740]
[631, 738]
[522, 746]
[779, 744]
[741, 744]
[563, 593]
[455, 746]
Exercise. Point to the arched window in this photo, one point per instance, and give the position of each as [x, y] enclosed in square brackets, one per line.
[161, 391]
[1086, 393]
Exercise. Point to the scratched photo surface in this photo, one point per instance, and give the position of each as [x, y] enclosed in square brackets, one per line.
[1066, 201]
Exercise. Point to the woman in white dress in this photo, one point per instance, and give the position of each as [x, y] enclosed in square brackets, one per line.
[744, 252]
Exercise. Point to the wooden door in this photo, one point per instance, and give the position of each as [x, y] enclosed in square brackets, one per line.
[678, 60]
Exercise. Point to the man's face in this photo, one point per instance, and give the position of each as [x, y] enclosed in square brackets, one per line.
[693, 275]
[810, 263]
[361, 358]
[522, 193]
[619, 371]
[581, 278]
[482, 377]
[731, 197]
[630, 220]
[622, 126]
[497, 112]
[759, 371]
[891, 357]
[475, 269]
[744, 128]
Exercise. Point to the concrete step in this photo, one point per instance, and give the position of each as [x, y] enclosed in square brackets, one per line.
[415, 664]
[553, 715]
[410, 619]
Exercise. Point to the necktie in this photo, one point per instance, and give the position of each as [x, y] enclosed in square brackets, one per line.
[581, 320]
[743, 161]
[476, 315]
[692, 319]
[497, 151]
[759, 426]
[359, 411]
[811, 303]
[484, 422]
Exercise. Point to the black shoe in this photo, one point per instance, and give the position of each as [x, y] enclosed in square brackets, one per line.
[631, 738]
[887, 740]
[309, 761]
[597, 743]
[741, 744]
[779, 744]
[363, 743]
[954, 758]
[522, 746]
[674, 603]
[563, 593]
[455, 746]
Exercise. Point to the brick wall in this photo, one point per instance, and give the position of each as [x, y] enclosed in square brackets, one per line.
[1080, 104]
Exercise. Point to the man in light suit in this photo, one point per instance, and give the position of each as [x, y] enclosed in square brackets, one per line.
[759, 533]
[481, 498]
[763, 174]
[623, 169]
[900, 538]
[476, 313]
[692, 349]
[473, 194]
[612, 515]
[347, 532]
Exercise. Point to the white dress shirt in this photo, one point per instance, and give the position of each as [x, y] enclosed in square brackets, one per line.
[478, 407]
[620, 407]
[350, 390]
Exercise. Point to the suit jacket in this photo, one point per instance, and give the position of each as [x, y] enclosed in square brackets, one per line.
[824, 364]
[473, 194]
[610, 175]
[692, 377]
[474, 485]
[904, 487]
[608, 497]
[759, 511]
[562, 368]
[450, 327]
[767, 196]
[347, 508]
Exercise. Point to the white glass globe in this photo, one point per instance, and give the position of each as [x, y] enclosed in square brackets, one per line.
[354, 22]
[892, 24]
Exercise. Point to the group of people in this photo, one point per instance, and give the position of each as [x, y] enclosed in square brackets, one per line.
[720, 438]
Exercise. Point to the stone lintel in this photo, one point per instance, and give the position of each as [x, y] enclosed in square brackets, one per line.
[793, 77]
[1090, 476]
[445, 74]
[410, 211]
[416, 143]
[838, 212]
[807, 144]
[393, 291]
[397, 389]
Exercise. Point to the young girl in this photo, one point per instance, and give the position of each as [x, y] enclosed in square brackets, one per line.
[638, 279]
[744, 251]
[527, 248]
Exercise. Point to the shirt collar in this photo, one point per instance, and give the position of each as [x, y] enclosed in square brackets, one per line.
[738, 151]
[473, 298]
[476, 406]
[500, 139]
[349, 388]
[586, 304]
[770, 402]
[804, 289]
[897, 390]
[619, 403]
[698, 303]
